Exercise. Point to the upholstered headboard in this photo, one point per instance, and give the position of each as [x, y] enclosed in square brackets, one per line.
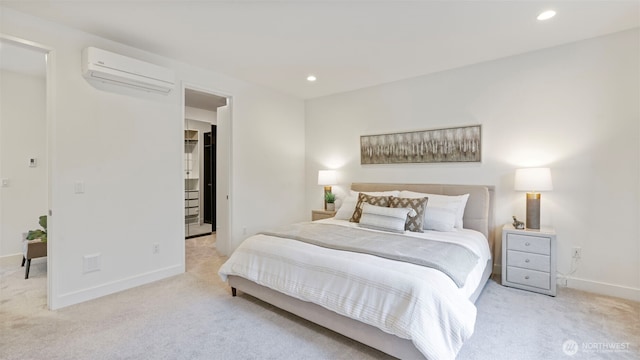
[478, 214]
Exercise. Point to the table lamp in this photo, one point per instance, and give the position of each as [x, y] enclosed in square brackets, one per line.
[326, 178]
[533, 180]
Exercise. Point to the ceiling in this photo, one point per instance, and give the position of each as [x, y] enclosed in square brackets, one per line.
[202, 100]
[347, 44]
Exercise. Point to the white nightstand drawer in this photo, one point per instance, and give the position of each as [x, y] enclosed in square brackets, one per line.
[191, 203]
[534, 244]
[191, 211]
[529, 260]
[527, 277]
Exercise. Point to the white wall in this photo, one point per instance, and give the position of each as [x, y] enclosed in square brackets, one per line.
[22, 136]
[200, 115]
[127, 147]
[574, 108]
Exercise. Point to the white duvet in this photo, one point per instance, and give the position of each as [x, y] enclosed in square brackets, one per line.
[410, 301]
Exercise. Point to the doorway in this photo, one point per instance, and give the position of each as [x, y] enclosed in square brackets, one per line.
[200, 161]
[210, 176]
[25, 187]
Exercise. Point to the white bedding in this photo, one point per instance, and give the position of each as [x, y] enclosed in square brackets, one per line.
[406, 300]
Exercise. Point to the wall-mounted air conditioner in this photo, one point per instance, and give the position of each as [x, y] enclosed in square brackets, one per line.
[105, 66]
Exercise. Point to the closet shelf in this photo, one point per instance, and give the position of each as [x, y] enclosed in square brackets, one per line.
[191, 176]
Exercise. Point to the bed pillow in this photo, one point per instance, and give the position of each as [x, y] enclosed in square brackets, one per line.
[415, 222]
[455, 203]
[384, 218]
[345, 211]
[368, 199]
[439, 219]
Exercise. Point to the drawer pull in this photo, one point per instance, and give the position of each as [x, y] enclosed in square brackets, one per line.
[527, 243]
[526, 277]
[527, 260]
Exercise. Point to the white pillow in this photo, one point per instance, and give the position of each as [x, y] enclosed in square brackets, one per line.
[384, 218]
[439, 219]
[347, 208]
[455, 203]
[349, 204]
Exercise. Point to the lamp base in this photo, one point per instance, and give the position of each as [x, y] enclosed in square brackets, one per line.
[327, 189]
[533, 211]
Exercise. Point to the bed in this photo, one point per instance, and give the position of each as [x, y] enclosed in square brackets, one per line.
[264, 269]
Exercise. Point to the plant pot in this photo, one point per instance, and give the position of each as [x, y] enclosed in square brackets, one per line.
[331, 206]
[36, 248]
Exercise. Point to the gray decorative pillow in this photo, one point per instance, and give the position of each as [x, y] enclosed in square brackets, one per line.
[414, 223]
[384, 218]
[368, 199]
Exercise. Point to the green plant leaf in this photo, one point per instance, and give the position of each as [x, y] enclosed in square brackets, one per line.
[39, 234]
[330, 197]
[43, 222]
[36, 234]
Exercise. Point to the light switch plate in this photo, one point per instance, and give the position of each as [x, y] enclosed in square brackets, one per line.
[78, 187]
[33, 162]
[5, 182]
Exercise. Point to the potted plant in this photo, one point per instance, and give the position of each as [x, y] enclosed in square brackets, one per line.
[39, 234]
[330, 199]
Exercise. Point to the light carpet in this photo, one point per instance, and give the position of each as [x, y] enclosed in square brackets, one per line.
[193, 316]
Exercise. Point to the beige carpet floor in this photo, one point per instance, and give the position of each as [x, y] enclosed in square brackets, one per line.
[193, 316]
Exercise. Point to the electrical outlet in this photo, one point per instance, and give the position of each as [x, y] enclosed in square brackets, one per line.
[91, 263]
[576, 253]
[156, 248]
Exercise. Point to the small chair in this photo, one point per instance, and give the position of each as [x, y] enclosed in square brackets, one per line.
[32, 249]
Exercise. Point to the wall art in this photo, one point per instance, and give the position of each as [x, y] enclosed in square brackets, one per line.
[459, 144]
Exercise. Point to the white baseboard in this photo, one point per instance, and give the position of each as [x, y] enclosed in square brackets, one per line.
[95, 292]
[602, 288]
[11, 257]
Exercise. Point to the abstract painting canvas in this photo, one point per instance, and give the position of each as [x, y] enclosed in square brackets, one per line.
[459, 144]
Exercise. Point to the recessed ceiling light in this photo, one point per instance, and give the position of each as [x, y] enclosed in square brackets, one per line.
[546, 15]
[311, 78]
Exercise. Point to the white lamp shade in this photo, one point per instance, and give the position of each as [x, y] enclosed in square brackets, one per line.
[326, 177]
[533, 180]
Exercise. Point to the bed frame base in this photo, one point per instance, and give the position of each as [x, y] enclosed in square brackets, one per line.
[356, 330]
[361, 332]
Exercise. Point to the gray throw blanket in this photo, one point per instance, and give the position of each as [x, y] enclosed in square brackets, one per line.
[455, 260]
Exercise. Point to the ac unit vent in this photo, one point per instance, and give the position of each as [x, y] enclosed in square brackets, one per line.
[105, 66]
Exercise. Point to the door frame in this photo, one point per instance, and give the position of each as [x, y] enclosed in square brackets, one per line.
[221, 93]
[50, 82]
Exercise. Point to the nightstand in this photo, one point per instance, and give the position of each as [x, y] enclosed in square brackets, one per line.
[529, 259]
[321, 214]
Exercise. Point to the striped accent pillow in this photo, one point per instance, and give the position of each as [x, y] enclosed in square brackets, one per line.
[384, 218]
[414, 222]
